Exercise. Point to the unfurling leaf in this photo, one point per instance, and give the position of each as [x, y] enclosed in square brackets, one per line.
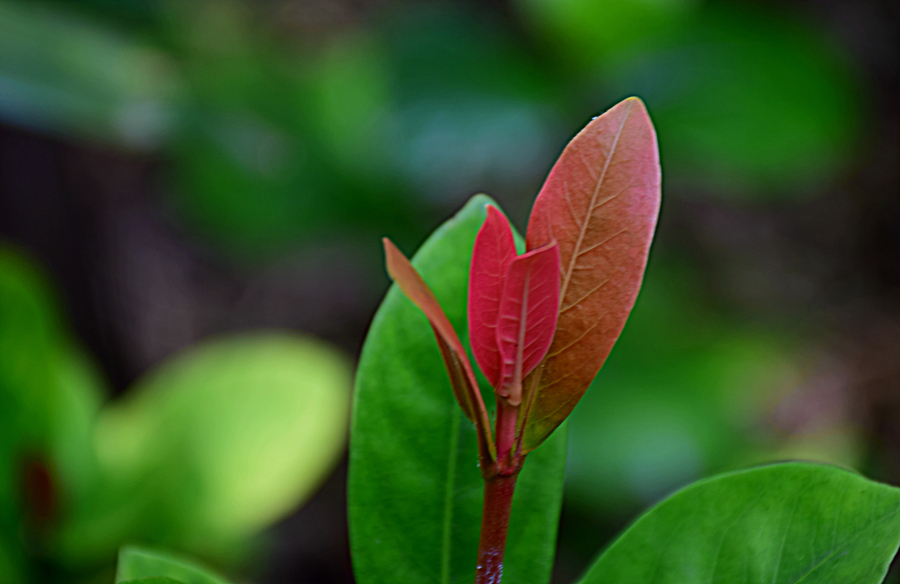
[462, 378]
[600, 203]
[527, 318]
[493, 251]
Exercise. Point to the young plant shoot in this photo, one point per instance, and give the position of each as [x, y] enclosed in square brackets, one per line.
[542, 323]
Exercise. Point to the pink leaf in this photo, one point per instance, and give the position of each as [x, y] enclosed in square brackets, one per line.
[494, 250]
[600, 203]
[529, 307]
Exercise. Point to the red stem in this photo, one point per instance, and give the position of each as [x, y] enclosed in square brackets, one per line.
[499, 485]
[498, 496]
[506, 435]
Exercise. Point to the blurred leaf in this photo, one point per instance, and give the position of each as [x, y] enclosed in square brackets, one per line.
[277, 146]
[746, 102]
[349, 99]
[414, 490]
[587, 31]
[152, 567]
[470, 107]
[216, 444]
[62, 73]
[781, 523]
[50, 392]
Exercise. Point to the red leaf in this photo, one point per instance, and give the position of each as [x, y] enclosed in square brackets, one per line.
[462, 378]
[600, 202]
[527, 320]
[494, 250]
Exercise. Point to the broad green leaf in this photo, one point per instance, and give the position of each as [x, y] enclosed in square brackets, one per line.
[216, 444]
[793, 523]
[415, 490]
[153, 567]
[600, 203]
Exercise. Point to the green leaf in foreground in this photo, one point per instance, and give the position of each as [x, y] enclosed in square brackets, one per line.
[414, 490]
[792, 523]
[152, 567]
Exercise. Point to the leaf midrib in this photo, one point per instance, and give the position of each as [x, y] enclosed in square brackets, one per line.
[584, 225]
[532, 395]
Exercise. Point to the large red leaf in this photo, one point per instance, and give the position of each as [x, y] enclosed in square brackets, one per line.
[527, 317]
[462, 378]
[600, 203]
[493, 251]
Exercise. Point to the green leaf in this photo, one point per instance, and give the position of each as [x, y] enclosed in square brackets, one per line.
[215, 445]
[414, 490]
[588, 31]
[153, 567]
[781, 524]
[50, 393]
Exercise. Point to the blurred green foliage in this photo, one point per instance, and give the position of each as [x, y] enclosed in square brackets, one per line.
[50, 394]
[363, 129]
[202, 454]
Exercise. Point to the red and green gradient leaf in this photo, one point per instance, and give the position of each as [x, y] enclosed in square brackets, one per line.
[528, 312]
[462, 378]
[600, 203]
[492, 254]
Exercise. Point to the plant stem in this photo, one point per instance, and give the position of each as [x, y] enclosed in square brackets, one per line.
[498, 496]
[499, 485]
[506, 436]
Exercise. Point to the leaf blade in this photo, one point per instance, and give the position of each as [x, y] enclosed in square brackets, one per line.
[787, 523]
[600, 202]
[527, 319]
[492, 254]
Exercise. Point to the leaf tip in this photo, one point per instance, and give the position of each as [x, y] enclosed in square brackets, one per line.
[391, 253]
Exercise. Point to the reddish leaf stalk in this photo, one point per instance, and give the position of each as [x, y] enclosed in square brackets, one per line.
[499, 486]
[498, 496]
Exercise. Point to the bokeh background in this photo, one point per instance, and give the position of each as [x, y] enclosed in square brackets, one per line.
[178, 170]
